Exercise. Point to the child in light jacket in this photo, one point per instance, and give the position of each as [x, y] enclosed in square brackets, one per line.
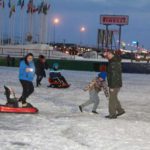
[96, 85]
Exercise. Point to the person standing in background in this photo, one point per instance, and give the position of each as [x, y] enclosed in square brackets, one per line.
[40, 69]
[8, 60]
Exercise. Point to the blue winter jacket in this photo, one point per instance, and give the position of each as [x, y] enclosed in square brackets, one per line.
[27, 76]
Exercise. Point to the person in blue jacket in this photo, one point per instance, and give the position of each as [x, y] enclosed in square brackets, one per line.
[26, 76]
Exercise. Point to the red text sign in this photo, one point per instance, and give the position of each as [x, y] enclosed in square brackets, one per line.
[114, 20]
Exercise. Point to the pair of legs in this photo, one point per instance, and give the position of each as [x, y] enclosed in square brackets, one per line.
[94, 99]
[114, 104]
[38, 80]
[28, 89]
[61, 80]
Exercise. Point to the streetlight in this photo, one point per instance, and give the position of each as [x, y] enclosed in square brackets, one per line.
[55, 22]
[82, 30]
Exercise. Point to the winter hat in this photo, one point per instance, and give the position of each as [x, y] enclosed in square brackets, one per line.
[102, 75]
[41, 57]
[102, 68]
[55, 65]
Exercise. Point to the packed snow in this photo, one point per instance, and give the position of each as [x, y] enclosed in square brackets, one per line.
[60, 126]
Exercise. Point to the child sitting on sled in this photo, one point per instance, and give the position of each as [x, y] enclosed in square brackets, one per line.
[56, 79]
[12, 100]
[13, 106]
[98, 84]
[11, 97]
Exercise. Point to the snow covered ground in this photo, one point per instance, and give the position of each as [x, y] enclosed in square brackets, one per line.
[60, 126]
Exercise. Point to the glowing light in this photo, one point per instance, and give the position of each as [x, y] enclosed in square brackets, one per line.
[82, 29]
[56, 21]
[138, 57]
[134, 42]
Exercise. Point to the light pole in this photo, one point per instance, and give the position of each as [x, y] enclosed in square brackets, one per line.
[82, 30]
[55, 22]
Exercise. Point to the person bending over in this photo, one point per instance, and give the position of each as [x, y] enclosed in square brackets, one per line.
[94, 88]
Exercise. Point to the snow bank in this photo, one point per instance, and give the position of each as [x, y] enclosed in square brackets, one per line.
[29, 46]
[60, 126]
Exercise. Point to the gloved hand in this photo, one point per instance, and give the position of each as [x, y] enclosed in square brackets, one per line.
[111, 90]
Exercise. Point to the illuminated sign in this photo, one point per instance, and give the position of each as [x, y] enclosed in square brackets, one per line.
[114, 20]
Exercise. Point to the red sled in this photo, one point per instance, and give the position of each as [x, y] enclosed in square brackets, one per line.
[7, 109]
[57, 84]
[12, 105]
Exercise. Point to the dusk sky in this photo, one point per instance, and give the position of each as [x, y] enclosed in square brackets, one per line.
[75, 13]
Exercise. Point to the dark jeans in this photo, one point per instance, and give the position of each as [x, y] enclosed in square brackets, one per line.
[28, 89]
[38, 80]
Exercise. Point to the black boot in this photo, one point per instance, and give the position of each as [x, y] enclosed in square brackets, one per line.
[95, 112]
[111, 117]
[121, 113]
[80, 108]
[37, 85]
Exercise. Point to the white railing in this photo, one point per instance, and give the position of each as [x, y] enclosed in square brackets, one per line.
[21, 52]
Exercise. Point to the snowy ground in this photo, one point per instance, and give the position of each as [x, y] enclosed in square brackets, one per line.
[60, 126]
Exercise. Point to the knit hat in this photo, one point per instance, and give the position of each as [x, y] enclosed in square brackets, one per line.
[55, 66]
[102, 68]
[102, 75]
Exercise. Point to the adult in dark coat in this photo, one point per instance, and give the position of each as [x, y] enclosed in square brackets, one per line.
[114, 77]
[40, 69]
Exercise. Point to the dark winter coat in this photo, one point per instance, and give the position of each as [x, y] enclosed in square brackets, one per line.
[55, 74]
[40, 68]
[114, 72]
